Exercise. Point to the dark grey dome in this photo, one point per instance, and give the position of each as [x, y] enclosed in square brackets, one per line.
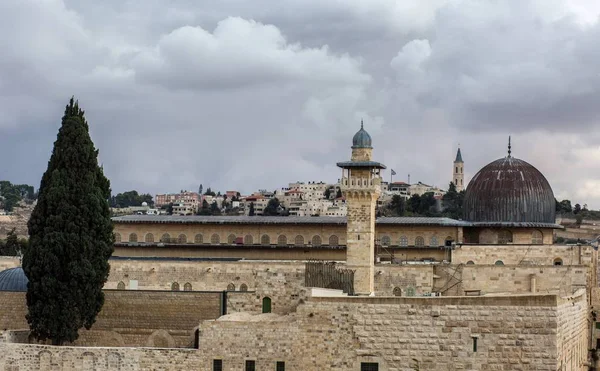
[509, 190]
[361, 139]
[13, 279]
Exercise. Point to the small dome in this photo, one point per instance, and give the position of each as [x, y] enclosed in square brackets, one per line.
[509, 190]
[361, 139]
[144, 204]
[13, 279]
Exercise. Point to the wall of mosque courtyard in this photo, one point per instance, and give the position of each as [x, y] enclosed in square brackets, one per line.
[533, 332]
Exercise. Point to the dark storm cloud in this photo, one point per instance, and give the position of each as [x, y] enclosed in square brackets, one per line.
[246, 95]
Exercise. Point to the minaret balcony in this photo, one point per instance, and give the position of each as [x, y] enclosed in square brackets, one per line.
[360, 182]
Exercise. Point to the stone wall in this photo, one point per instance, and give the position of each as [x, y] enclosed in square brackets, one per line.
[562, 280]
[13, 308]
[15, 357]
[282, 282]
[474, 333]
[573, 333]
[132, 318]
[525, 254]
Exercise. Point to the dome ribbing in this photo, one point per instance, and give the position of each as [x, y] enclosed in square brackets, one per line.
[509, 190]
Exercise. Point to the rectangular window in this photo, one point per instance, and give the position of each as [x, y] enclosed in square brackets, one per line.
[217, 365]
[280, 366]
[369, 366]
[474, 344]
[250, 365]
[598, 325]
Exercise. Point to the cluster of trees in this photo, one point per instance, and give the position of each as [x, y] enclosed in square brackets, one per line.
[426, 205]
[12, 245]
[130, 198]
[12, 194]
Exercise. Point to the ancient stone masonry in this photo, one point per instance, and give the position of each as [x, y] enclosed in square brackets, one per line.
[484, 333]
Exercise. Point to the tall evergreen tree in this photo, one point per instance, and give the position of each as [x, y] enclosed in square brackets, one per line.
[71, 236]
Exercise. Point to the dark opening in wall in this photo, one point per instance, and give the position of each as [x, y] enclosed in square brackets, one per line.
[369, 366]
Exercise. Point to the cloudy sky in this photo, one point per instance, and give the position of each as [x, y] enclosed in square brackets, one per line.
[239, 94]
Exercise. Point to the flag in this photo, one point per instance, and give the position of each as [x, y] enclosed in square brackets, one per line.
[393, 172]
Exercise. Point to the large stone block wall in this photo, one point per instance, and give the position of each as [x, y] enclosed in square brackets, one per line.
[13, 308]
[573, 333]
[512, 332]
[19, 357]
[132, 318]
[404, 279]
[525, 254]
[562, 280]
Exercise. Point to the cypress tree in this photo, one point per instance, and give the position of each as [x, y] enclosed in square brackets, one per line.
[71, 236]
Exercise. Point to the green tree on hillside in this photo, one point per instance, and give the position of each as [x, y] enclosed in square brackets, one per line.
[131, 198]
[71, 236]
[452, 202]
[397, 205]
[272, 208]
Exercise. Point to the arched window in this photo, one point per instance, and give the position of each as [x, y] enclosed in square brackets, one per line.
[537, 237]
[231, 239]
[266, 305]
[187, 287]
[175, 286]
[504, 237]
[133, 237]
[121, 286]
[149, 238]
[198, 238]
[385, 241]
[419, 241]
[231, 287]
[299, 241]
[448, 241]
[214, 239]
[166, 238]
[470, 262]
[334, 240]
[117, 237]
[243, 287]
[434, 241]
[265, 239]
[248, 240]
[558, 261]
[282, 240]
[403, 241]
[316, 241]
[499, 262]
[397, 291]
[182, 238]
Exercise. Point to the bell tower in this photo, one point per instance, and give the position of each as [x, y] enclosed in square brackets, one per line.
[361, 185]
[458, 176]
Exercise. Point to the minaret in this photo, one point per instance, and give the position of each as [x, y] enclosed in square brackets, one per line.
[458, 176]
[361, 185]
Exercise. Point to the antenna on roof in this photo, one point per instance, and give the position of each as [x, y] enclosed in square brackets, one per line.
[509, 146]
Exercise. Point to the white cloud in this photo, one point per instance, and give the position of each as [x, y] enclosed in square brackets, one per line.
[240, 53]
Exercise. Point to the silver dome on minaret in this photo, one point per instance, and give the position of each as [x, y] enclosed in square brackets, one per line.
[361, 139]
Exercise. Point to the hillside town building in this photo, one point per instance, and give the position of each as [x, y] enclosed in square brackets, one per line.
[489, 292]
